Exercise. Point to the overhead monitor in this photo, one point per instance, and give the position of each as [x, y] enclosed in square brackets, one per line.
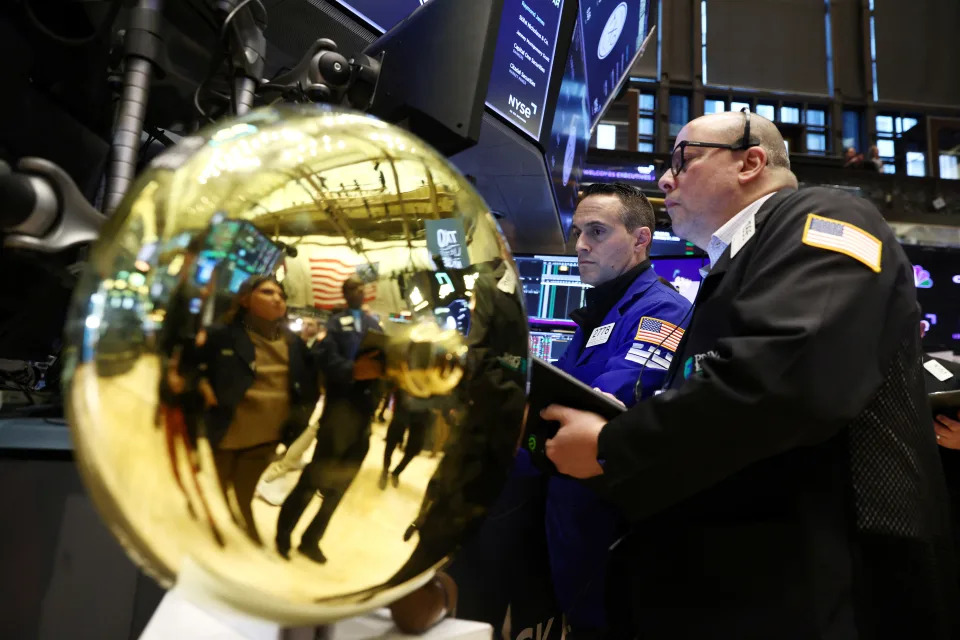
[523, 62]
[523, 80]
[570, 133]
[613, 34]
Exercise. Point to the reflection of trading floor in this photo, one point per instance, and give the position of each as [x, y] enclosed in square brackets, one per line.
[363, 543]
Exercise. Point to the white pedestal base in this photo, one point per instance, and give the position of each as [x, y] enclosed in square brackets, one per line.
[177, 617]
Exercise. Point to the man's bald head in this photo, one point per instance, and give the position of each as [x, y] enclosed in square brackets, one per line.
[728, 127]
[713, 183]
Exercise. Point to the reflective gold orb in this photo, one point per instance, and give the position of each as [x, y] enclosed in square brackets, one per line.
[245, 456]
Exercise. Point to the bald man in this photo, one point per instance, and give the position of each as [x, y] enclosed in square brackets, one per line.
[786, 483]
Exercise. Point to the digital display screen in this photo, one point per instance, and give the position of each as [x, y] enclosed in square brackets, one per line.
[936, 274]
[523, 58]
[551, 289]
[643, 175]
[613, 31]
[549, 345]
[570, 134]
[523, 61]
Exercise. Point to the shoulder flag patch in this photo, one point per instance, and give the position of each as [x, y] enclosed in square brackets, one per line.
[843, 237]
[659, 332]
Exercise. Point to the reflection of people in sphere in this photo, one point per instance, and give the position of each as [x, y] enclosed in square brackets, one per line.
[261, 388]
[343, 437]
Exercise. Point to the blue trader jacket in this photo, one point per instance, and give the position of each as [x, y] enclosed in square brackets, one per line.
[647, 324]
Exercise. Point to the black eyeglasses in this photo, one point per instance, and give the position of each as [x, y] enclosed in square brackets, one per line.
[678, 159]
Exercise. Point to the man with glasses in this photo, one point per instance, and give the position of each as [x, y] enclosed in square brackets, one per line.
[786, 484]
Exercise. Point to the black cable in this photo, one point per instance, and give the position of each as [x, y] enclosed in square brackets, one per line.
[236, 10]
[211, 74]
[67, 40]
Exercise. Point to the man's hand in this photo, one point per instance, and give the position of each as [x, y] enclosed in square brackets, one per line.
[574, 449]
[948, 432]
[367, 367]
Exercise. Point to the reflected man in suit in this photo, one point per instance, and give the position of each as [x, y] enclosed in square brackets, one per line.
[343, 436]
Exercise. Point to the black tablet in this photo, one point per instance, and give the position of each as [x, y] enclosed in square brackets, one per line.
[945, 402]
[549, 385]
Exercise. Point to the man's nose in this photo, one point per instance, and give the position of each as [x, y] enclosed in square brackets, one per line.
[581, 243]
[667, 182]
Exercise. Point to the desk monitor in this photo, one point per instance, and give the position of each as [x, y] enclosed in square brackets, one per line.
[551, 289]
[548, 344]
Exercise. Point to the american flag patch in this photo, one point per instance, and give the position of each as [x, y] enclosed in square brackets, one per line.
[843, 237]
[659, 332]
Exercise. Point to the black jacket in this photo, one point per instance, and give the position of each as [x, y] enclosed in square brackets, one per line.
[227, 360]
[336, 353]
[787, 484]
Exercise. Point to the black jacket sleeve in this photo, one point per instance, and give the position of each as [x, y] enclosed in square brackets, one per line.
[809, 333]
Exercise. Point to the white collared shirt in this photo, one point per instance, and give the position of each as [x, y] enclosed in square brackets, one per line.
[722, 237]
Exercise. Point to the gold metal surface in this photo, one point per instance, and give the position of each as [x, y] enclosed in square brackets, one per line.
[225, 451]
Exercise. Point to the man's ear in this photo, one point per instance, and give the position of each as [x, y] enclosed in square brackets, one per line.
[754, 161]
[643, 237]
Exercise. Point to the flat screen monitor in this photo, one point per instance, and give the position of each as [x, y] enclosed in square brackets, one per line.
[570, 133]
[613, 33]
[523, 65]
[936, 274]
[551, 289]
[523, 62]
[548, 344]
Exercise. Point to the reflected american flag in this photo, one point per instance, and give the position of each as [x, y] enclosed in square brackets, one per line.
[327, 276]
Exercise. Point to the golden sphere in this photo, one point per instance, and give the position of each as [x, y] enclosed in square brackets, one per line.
[240, 456]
